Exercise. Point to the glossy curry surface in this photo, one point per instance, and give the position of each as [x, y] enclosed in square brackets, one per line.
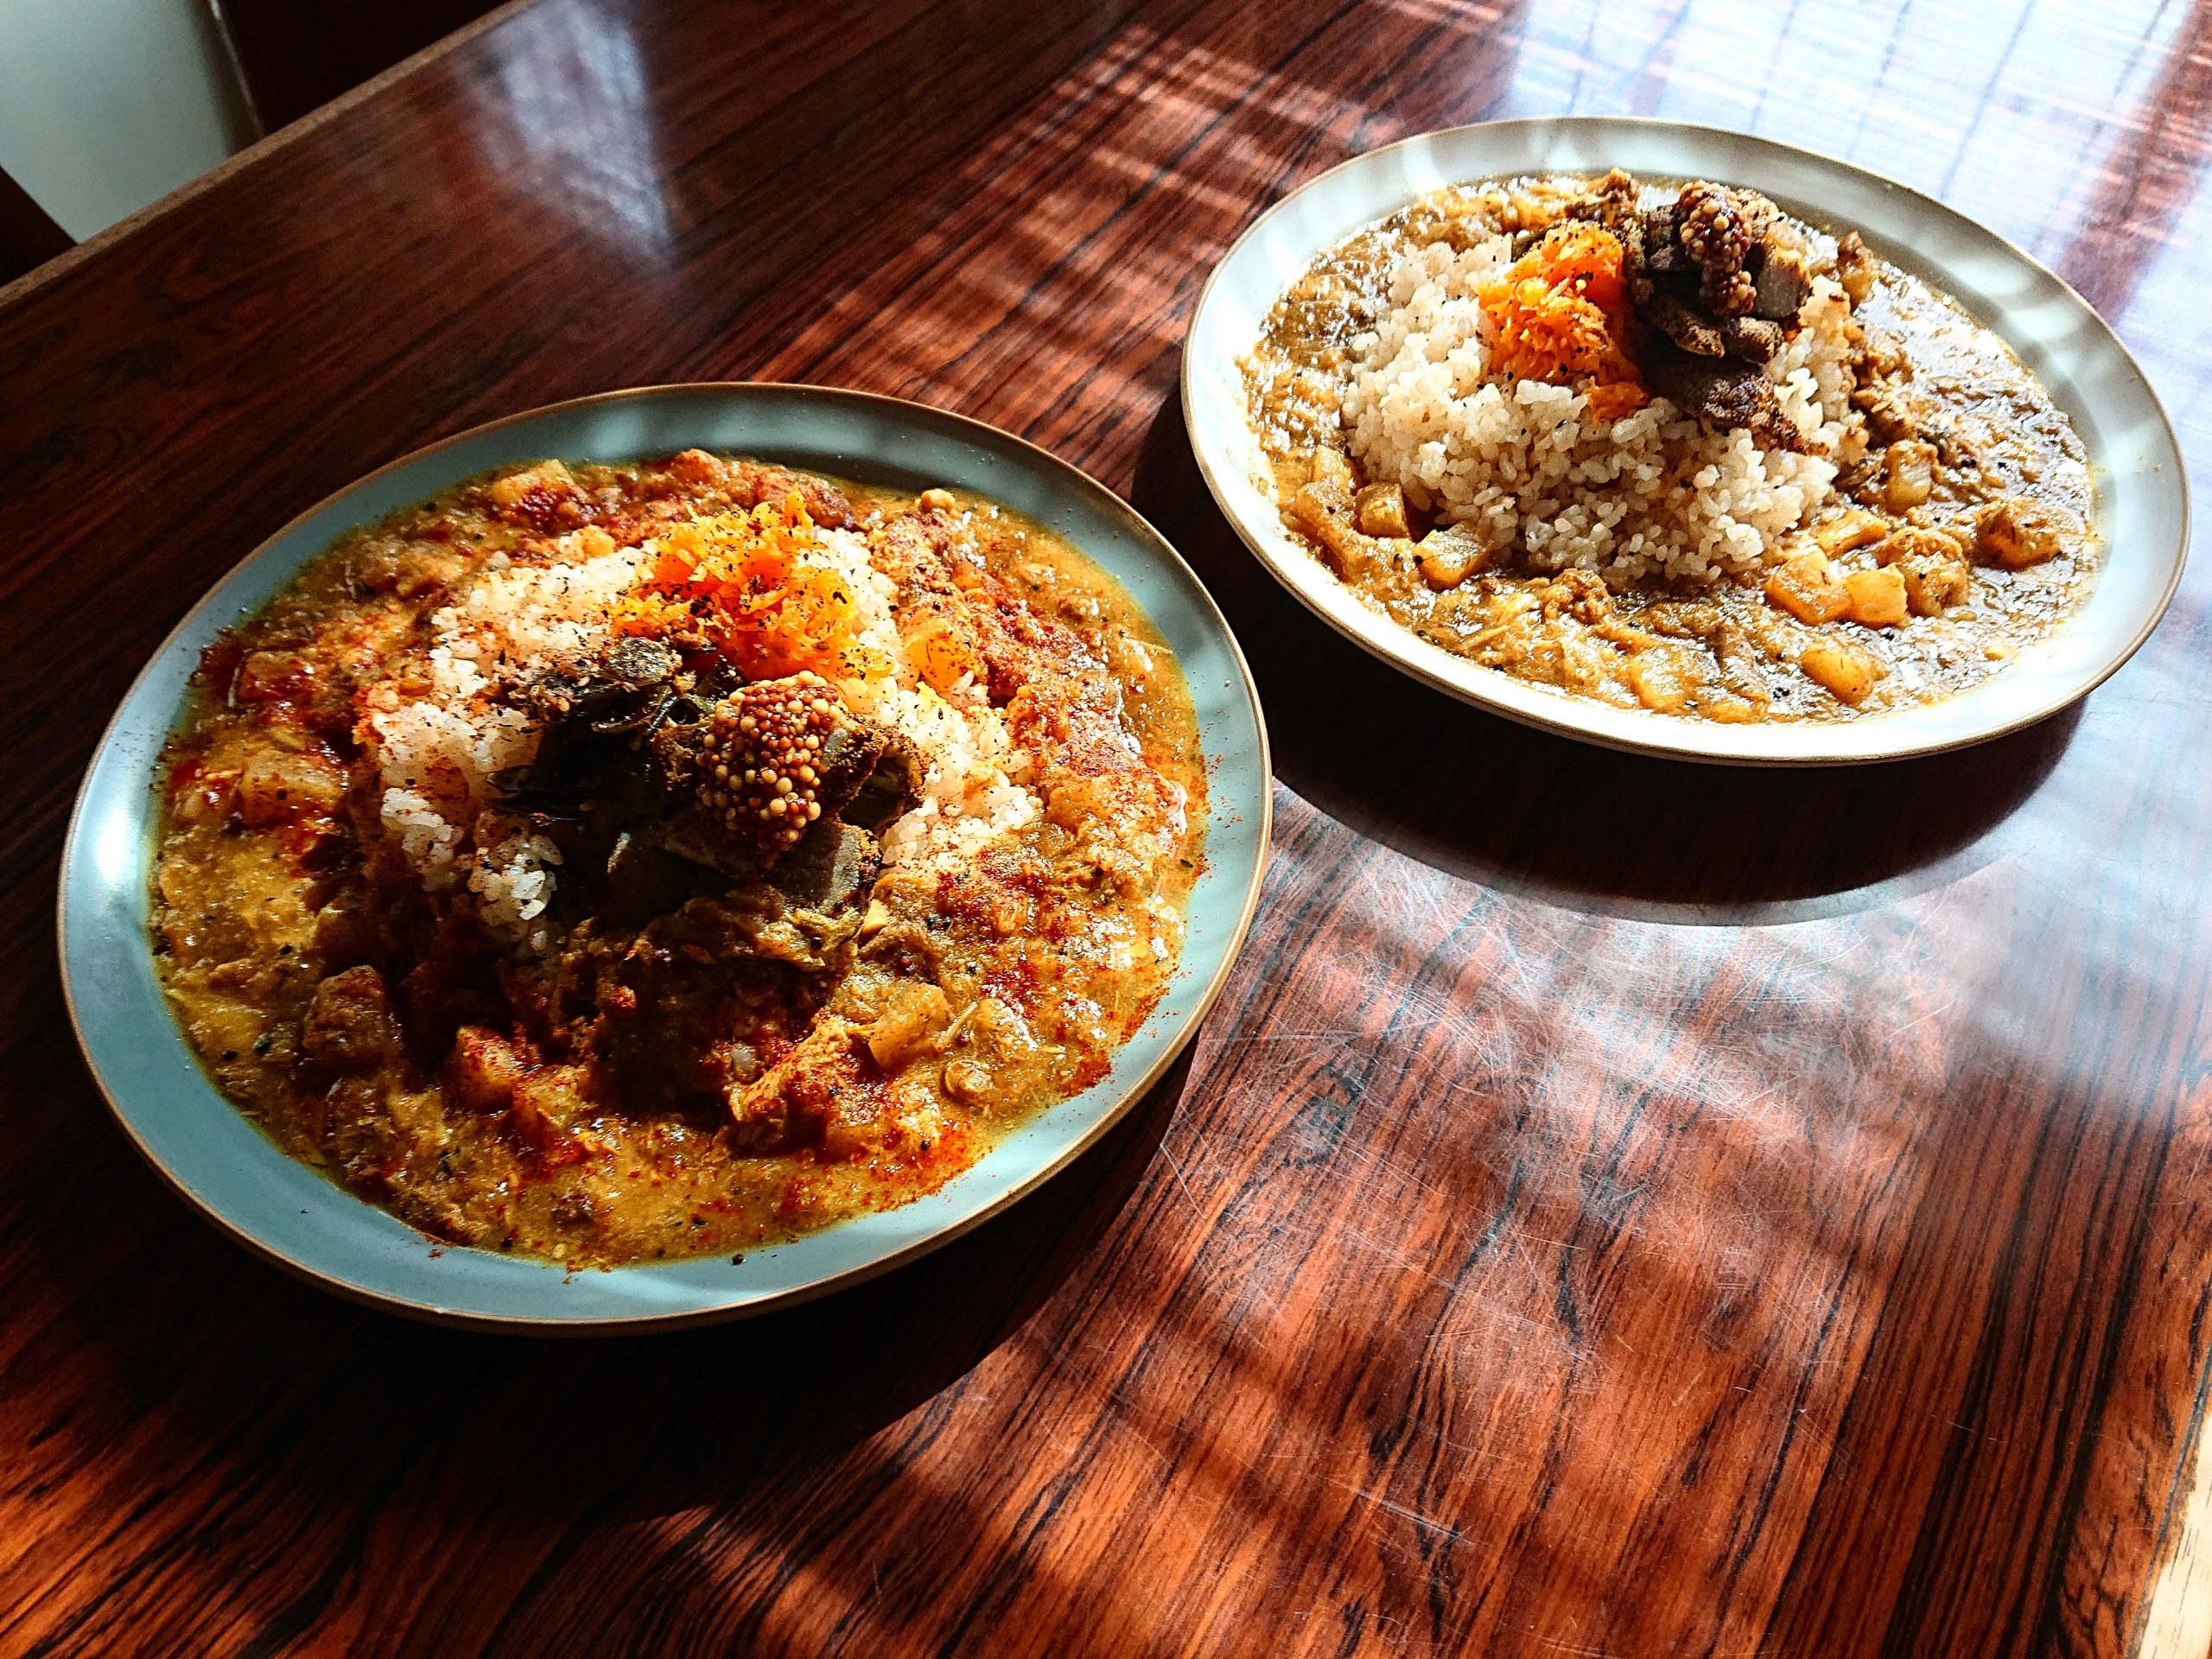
[691, 1063]
[1961, 529]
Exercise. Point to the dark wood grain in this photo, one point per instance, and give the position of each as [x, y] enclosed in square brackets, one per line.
[1615, 1209]
[293, 57]
[28, 235]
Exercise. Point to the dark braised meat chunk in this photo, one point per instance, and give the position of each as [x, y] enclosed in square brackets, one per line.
[832, 869]
[1717, 282]
[628, 687]
[1780, 286]
[765, 765]
[1724, 393]
[597, 714]
[1713, 271]
[349, 1025]
[676, 780]
[664, 1004]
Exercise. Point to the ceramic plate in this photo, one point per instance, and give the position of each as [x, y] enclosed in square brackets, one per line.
[2142, 511]
[218, 1160]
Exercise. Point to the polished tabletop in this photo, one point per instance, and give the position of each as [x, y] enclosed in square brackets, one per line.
[1616, 1207]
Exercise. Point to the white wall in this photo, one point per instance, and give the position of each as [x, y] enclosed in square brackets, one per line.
[107, 104]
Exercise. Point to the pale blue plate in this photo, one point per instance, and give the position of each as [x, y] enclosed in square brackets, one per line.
[304, 1222]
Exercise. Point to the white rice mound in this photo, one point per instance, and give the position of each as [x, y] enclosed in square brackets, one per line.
[1526, 464]
[971, 797]
[438, 732]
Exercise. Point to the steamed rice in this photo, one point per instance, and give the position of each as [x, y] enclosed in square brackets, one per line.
[436, 753]
[1527, 465]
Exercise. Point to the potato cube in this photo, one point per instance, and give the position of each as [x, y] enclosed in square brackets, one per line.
[1854, 527]
[276, 787]
[2016, 533]
[1332, 465]
[1933, 583]
[547, 1101]
[908, 1027]
[1848, 672]
[1662, 677]
[1323, 511]
[1380, 510]
[1802, 586]
[1875, 599]
[1449, 555]
[1913, 475]
[482, 1070]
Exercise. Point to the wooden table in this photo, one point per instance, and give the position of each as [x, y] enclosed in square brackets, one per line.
[1616, 1208]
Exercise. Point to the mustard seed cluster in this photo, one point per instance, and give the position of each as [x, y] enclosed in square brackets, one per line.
[760, 757]
[1719, 229]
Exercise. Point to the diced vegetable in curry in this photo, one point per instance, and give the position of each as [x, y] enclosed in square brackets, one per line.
[617, 863]
[1670, 449]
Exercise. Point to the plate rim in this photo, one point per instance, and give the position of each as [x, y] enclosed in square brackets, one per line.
[1390, 641]
[1188, 1022]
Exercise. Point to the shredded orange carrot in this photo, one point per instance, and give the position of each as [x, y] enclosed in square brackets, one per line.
[737, 582]
[1613, 400]
[1560, 313]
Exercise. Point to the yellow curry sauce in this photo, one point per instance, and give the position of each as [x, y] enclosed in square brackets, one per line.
[1959, 530]
[698, 1055]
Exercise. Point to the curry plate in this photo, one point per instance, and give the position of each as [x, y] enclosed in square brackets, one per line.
[2142, 495]
[240, 1179]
